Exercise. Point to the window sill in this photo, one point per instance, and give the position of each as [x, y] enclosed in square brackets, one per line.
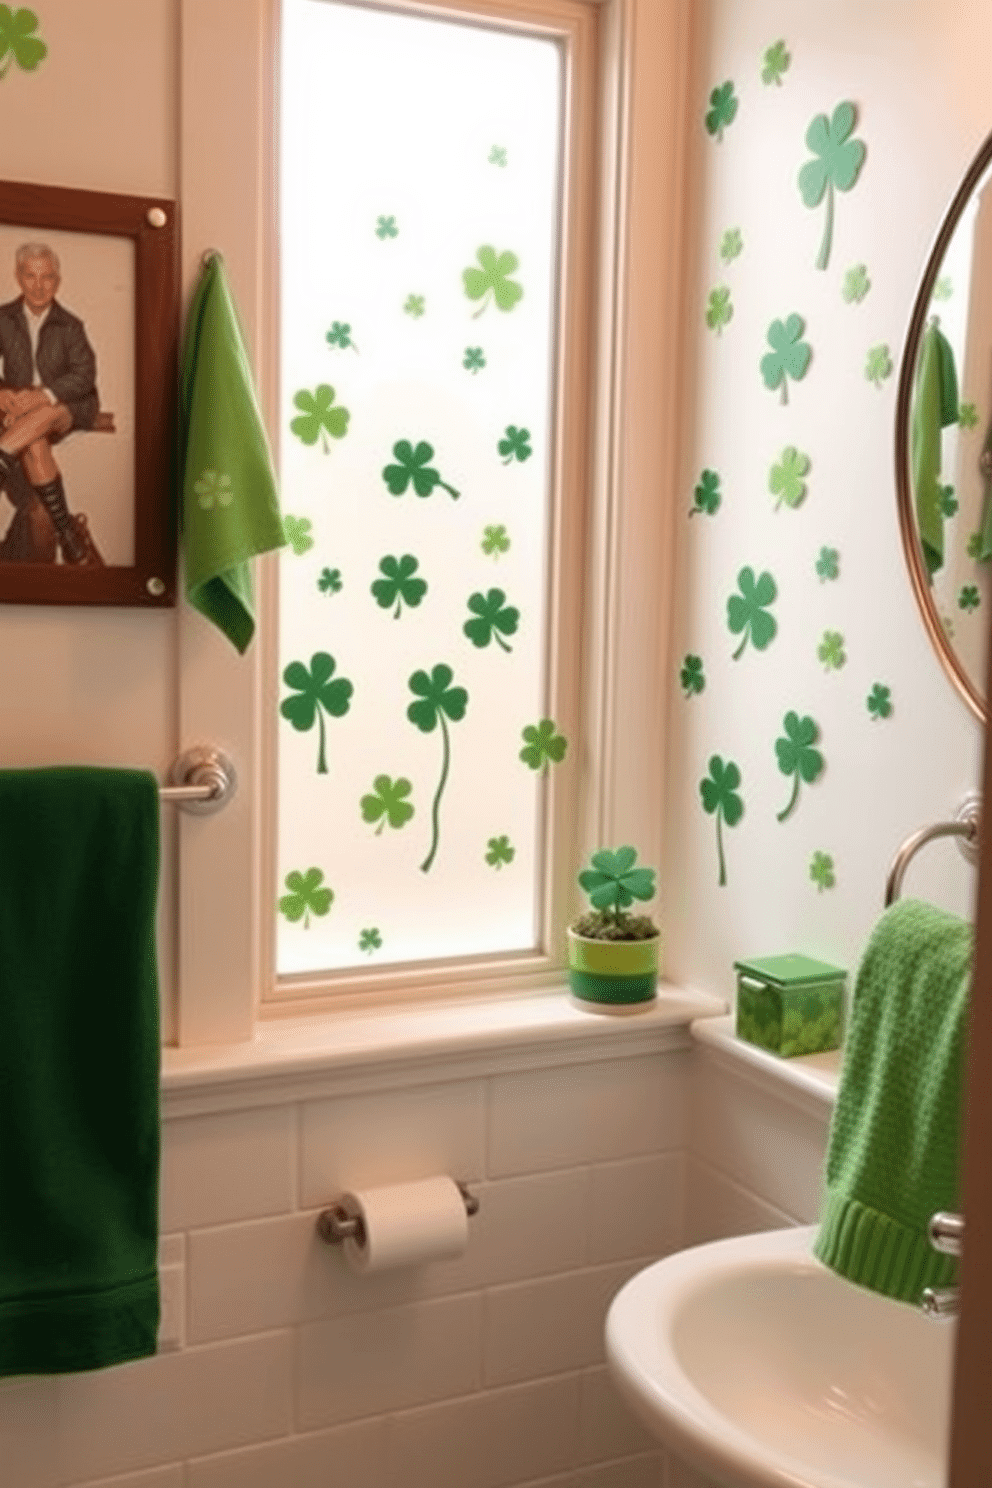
[808, 1081]
[348, 1053]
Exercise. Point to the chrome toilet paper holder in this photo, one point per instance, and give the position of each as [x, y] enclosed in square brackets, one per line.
[336, 1223]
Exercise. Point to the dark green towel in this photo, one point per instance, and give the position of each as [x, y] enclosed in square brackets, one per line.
[228, 501]
[893, 1153]
[935, 405]
[79, 1065]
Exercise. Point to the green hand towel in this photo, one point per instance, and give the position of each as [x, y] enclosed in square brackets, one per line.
[229, 503]
[935, 405]
[79, 1065]
[893, 1152]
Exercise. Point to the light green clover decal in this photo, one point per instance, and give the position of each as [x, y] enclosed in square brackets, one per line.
[747, 611]
[305, 896]
[388, 802]
[315, 695]
[385, 227]
[213, 488]
[969, 597]
[722, 110]
[731, 244]
[330, 581]
[691, 675]
[474, 359]
[613, 879]
[706, 495]
[944, 288]
[856, 284]
[967, 415]
[494, 619]
[15, 37]
[786, 479]
[797, 757]
[515, 445]
[838, 161]
[831, 651]
[369, 940]
[436, 701]
[414, 306]
[340, 335]
[399, 586]
[492, 281]
[495, 540]
[499, 851]
[318, 417]
[879, 702]
[497, 155]
[298, 530]
[720, 799]
[789, 356]
[774, 63]
[719, 310]
[543, 745]
[413, 467]
[878, 364]
[975, 547]
[828, 564]
[821, 871]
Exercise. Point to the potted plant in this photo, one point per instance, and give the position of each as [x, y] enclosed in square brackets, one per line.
[613, 955]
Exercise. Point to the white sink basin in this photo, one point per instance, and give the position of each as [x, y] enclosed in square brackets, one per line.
[763, 1369]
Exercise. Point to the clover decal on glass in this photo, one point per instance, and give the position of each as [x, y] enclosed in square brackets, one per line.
[491, 282]
[315, 695]
[412, 467]
[797, 757]
[495, 540]
[787, 479]
[515, 445]
[399, 585]
[879, 702]
[691, 675]
[722, 110]
[319, 417]
[499, 850]
[706, 495]
[543, 745]
[305, 896]
[494, 619]
[16, 42]
[436, 701]
[838, 161]
[387, 802]
[719, 309]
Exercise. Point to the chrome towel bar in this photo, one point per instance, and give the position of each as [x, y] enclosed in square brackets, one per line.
[966, 826]
[201, 781]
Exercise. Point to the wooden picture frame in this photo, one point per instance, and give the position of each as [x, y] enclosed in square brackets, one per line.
[115, 262]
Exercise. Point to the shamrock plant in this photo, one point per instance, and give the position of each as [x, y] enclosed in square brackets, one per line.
[731, 244]
[318, 417]
[706, 495]
[499, 850]
[747, 611]
[491, 282]
[315, 695]
[691, 676]
[718, 792]
[856, 284]
[878, 364]
[828, 564]
[879, 702]
[436, 701]
[305, 896]
[543, 745]
[515, 445]
[789, 356]
[612, 883]
[722, 110]
[412, 467]
[831, 650]
[786, 480]
[494, 619]
[774, 63]
[399, 585]
[821, 871]
[16, 42]
[387, 802]
[495, 540]
[838, 160]
[298, 534]
[797, 757]
[719, 310]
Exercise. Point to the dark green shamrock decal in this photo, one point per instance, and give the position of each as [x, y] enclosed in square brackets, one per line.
[789, 356]
[831, 650]
[399, 586]
[318, 417]
[298, 534]
[774, 63]
[499, 850]
[340, 335]
[613, 881]
[413, 467]
[746, 611]
[474, 359]
[797, 757]
[492, 282]
[543, 745]
[494, 619]
[946, 500]
[369, 940]
[436, 701]
[967, 415]
[828, 564]
[495, 540]
[316, 695]
[879, 702]
[838, 161]
[878, 364]
[706, 495]
[969, 597]
[16, 39]
[388, 802]
[719, 310]
[821, 871]
[385, 227]
[330, 581]
[856, 284]
[515, 446]
[731, 244]
[720, 799]
[691, 676]
[786, 480]
[305, 896]
[722, 110]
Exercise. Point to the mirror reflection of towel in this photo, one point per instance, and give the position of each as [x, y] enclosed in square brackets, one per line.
[935, 405]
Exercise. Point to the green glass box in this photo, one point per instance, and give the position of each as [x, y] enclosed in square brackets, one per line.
[790, 1004]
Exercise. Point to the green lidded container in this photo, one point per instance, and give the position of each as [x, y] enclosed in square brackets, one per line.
[790, 1004]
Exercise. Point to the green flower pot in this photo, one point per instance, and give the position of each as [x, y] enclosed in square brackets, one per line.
[613, 973]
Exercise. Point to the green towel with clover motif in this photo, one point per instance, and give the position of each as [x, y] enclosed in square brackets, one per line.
[894, 1147]
[228, 500]
[935, 405]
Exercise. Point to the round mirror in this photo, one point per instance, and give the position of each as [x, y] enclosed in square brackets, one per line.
[944, 436]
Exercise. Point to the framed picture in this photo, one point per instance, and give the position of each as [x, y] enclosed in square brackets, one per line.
[89, 307]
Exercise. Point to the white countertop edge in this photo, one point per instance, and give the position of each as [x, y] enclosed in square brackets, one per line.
[809, 1080]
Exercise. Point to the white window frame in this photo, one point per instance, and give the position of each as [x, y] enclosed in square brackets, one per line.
[618, 627]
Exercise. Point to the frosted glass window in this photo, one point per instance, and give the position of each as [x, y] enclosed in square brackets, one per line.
[419, 212]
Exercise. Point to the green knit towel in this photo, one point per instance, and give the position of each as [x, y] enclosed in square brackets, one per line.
[79, 1065]
[893, 1153]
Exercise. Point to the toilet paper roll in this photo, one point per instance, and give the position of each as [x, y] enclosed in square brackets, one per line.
[406, 1224]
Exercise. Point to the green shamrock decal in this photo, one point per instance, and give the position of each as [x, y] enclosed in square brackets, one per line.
[413, 467]
[944, 288]
[340, 335]
[212, 488]
[747, 611]
[706, 495]
[495, 541]
[316, 695]
[399, 587]
[786, 479]
[369, 940]
[828, 564]
[731, 244]
[974, 548]
[719, 310]
[330, 581]
[789, 356]
[838, 161]
[305, 896]
[691, 676]
[831, 650]
[967, 415]
[969, 597]
[387, 802]
[543, 745]
[722, 110]
[497, 155]
[473, 360]
[495, 619]
[318, 417]
[436, 702]
[946, 500]
[720, 799]
[614, 881]
[774, 63]
[492, 282]
[797, 757]
[385, 227]
[15, 37]
[821, 871]
[414, 306]
[298, 530]
[879, 702]
[499, 850]
[515, 445]
[878, 364]
[856, 284]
